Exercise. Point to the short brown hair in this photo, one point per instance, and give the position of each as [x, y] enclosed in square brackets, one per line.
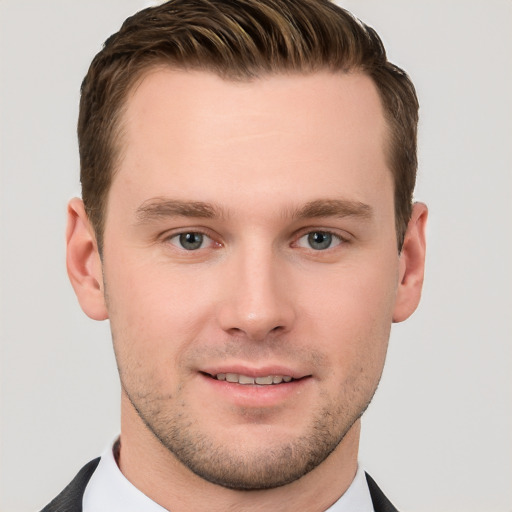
[239, 40]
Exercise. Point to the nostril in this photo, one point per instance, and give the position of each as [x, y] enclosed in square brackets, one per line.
[242, 316]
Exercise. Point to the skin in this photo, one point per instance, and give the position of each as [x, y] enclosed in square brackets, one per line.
[255, 168]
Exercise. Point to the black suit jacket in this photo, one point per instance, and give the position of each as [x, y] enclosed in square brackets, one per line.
[70, 499]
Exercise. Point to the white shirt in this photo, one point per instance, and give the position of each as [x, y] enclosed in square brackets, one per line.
[109, 491]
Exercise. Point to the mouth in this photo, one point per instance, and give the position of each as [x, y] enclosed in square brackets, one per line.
[251, 388]
[238, 378]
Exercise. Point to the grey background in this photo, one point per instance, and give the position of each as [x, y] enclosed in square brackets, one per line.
[438, 435]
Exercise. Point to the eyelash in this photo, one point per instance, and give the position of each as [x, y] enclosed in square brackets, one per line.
[309, 232]
[177, 236]
[315, 231]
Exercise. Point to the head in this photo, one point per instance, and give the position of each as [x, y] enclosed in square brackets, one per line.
[239, 41]
[247, 173]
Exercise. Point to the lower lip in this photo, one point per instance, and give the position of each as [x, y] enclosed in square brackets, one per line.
[254, 395]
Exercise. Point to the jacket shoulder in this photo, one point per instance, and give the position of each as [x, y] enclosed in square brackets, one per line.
[70, 499]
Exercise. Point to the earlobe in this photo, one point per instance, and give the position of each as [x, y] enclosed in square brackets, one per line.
[412, 265]
[83, 262]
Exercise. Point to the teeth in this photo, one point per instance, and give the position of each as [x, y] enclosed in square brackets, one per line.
[245, 379]
[264, 380]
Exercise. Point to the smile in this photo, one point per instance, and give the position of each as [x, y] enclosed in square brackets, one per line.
[251, 388]
[238, 378]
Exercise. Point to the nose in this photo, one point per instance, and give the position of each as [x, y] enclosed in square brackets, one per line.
[257, 298]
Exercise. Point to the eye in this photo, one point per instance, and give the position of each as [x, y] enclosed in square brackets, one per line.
[190, 241]
[319, 240]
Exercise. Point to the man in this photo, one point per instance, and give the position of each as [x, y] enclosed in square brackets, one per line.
[247, 227]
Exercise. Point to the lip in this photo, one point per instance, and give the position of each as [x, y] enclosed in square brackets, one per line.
[253, 395]
[263, 371]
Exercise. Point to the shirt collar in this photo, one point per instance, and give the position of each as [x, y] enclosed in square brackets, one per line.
[356, 498]
[108, 490]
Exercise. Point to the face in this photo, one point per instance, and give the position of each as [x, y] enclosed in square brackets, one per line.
[250, 268]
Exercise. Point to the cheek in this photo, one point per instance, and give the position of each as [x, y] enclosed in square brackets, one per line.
[150, 296]
[352, 317]
[151, 320]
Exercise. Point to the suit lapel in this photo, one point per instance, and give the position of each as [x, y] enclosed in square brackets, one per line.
[70, 499]
[380, 502]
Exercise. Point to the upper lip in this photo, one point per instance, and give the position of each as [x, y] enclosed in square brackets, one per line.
[263, 371]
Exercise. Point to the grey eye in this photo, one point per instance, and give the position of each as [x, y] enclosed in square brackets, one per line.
[319, 240]
[191, 241]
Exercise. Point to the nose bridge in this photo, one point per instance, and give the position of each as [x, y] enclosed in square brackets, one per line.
[256, 301]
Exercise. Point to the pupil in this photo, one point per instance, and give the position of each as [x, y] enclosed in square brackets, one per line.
[191, 241]
[319, 240]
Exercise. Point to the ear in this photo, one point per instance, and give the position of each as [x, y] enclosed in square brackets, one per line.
[411, 265]
[83, 262]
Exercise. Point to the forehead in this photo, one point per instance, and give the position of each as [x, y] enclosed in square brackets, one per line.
[293, 132]
[196, 99]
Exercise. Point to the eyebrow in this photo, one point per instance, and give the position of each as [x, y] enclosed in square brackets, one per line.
[333, 208]
[157, 208]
